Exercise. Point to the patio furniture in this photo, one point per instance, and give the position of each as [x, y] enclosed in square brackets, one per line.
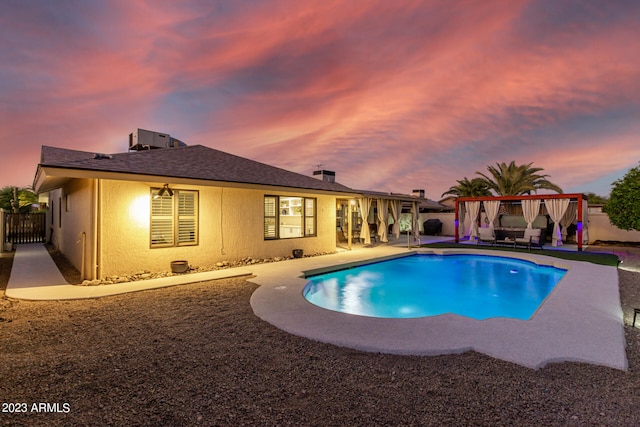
[531, 238]
[355, 235]
[486, 235]
[373, 232]
[432, 227]
[507, 235]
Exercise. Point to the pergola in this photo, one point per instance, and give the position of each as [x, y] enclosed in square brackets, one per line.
[580, 198]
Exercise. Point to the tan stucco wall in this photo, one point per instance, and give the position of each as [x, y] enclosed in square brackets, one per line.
[600, 228]
[230, 227]
[74, 204]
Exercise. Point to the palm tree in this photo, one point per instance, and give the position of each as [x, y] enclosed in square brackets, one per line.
[513, 180]
[465, 188]
[25, 198]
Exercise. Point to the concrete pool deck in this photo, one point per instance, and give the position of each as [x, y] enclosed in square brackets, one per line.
[580, 321]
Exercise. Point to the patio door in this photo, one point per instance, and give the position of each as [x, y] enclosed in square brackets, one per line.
[342, 218]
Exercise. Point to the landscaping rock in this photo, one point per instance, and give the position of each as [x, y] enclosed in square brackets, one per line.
[146, 275]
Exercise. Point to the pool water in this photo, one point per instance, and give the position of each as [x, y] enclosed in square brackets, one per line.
[475, 286]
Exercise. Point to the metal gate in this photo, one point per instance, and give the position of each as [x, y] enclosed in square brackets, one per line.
[25, 227]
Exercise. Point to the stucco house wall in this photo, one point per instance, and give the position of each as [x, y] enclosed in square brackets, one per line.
[231, 227]
[70, 222]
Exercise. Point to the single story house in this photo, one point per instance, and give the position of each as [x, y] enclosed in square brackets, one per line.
[163, 200]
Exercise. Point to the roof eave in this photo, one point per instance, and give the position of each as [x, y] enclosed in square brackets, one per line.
[51, 177]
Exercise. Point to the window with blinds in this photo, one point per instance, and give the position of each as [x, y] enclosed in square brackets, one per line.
[309, 217]
[289, 217]
[270, 217]
[174, 219]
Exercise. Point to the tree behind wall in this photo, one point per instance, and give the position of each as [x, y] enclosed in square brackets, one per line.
[469, 188]
[623, 206]
[26, 198]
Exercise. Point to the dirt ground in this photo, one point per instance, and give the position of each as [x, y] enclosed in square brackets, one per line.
[197, 355]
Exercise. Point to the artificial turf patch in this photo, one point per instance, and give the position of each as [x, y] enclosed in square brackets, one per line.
[593, 257]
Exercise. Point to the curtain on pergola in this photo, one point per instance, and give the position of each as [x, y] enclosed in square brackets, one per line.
[569, 217]
[365, 205]
[491, 207]
[415, 225]
[585, 221]
[530, 209]
[461, 216]
[396, 207]
[556, 209]
[383, 218]
[473, 208]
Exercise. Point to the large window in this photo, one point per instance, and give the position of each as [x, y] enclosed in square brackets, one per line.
[174, 218]
[289, 217]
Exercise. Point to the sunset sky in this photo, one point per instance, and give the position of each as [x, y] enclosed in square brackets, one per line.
[391, 95]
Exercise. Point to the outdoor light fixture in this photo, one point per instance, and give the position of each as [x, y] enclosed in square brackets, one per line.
[165, 189]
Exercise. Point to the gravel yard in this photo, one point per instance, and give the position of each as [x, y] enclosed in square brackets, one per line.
[197, 355]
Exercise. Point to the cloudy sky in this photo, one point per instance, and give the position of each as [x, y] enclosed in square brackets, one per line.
[391, 95]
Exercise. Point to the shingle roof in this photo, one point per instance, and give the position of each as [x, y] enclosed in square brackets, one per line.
[191, 162]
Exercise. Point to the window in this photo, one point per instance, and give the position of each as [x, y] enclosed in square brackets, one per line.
[174, 219]
[289, 217]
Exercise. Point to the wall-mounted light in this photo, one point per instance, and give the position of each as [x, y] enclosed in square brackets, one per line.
[165, 189]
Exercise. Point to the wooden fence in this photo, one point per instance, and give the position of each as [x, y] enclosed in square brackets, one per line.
[24, 227]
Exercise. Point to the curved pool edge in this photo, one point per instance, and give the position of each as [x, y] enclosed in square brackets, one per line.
[580, 321]
[534, 258]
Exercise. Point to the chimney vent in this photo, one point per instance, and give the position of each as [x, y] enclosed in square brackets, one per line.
[325, 175]
[418, 193]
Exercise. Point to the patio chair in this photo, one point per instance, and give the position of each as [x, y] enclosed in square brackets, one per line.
[486, 235]
[531, 238]
[355, 235]
[373, 232]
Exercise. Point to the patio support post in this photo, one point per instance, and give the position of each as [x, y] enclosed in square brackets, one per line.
[456, 222]
[349, 225]
[579, 224]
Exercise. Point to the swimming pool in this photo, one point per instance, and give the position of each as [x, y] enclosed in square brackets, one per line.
[423, 285]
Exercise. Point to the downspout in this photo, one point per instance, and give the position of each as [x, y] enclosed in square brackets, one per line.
[84, 251]
[96, 228]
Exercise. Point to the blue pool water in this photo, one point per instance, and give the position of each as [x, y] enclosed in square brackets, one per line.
[476, 286]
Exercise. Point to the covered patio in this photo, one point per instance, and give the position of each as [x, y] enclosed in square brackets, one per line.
[375, 216]
[562, 209]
